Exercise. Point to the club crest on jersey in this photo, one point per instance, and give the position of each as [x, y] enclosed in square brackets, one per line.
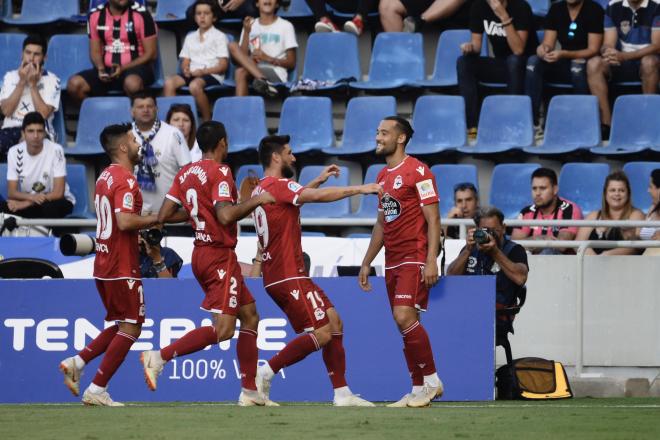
[223, 189]
[319, 314]
[398, 182]
[127, 202]
[391, 208]
[425, 189]
[233, 302]
[294, 186]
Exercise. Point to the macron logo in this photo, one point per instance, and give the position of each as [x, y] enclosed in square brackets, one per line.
[420, 170]
[221, 273]
[295, 294]
[131, 182]
[224, 171]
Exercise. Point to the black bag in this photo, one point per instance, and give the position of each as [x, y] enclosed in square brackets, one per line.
[532, 379]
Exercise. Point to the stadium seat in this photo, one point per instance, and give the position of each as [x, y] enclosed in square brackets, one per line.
[510, 187]
[227, 85]
[539, 7]
[368, 207]
[582, 183]
[246, 170]
[308, 120]
[331, 57]
[359, 235]
[505, 124]
[439, 123]
[446, 54]
[95, 114]
[449, 175]
[312, 234]
[632, 130]
[362, 117]
[68, 55]
[3, 180]
[77, 180]
[11, 49]
[165, 102]
[245, 120]
[26, 268]
[171, 11]
[297, 10]
[340, 208]
[397, 61]
[639, 174]
[572, 124]
[42, 12]
[59, 126]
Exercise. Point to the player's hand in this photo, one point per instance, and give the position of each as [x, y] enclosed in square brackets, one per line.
[371, 188]
[467, 48]
[363, 278]
[116, 71]
[430, 273]
[266, 198]
[232, 5]
[330, 170]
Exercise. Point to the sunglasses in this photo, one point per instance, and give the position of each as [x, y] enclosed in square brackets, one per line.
[571, 29]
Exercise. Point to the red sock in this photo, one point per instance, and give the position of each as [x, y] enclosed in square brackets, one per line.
[415, 372]
[247, 353]
[334, 357]
[99, 345]
[113, 358]
[417, 344]
[295, 351]
[191, 342]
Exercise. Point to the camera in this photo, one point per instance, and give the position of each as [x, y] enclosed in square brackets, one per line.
[77, 244]
[152, 236]
[482, 235]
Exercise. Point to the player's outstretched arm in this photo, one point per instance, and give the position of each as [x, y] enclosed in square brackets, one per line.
[330, 170]
[375, 245]
[334, 193]
[132, 222]
[227, 213]
[171, 212]
[432, 216]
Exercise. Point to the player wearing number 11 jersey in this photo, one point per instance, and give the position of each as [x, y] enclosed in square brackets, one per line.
[285, 278]
[118, 204]
[206, 191]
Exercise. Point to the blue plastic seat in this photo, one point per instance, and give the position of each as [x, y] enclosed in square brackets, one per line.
[439, 123]
[633, 127]
[368, 207]
[582, 183]
[331, 57]
[77, 179]
[505, 124]
[68, 55]
[539, 7]
[95, 114]
[172, 11]
[362, 117]
[165, 102]
[11, 50]
[397, 61]
[639, 174]
[59, 127]
[3, 180]
[573, 123]
[312, 234]
[42, 12]
[308, 120]
[446, 54]
[449, 175]
[510, 187]
[340, 208]
[227, 85]
[246, 170]
[297, 10]
[245, 120]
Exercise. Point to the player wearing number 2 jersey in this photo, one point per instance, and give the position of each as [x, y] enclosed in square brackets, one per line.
[408, 225]
[118, 204]
[206, 191]
[284, 274]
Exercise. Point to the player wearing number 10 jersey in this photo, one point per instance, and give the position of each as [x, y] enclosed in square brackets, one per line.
[118, 204]
[284, 274]
[206, 191]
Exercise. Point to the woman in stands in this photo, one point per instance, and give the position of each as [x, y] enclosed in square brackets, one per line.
[181, 116]
[650, 233]
[616, 205]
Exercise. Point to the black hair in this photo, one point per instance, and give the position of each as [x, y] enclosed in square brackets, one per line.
[142, 94]
[209, 134]
[488, 212]
[278, 3]
[403, 126]
[213, 4]
[111, 135]
[33, 118]
[187, 110]
[269, 145]
[466, 186]
[547, 173]
[37, 40]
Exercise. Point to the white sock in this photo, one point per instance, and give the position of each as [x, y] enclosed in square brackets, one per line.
[343, 392]
[432, 379]
[417, 389]
[267, 371]
[249, 392]
[78, 362]
[93, 388]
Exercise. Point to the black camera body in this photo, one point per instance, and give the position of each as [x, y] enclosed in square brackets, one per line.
[482, 235]
[152, 236]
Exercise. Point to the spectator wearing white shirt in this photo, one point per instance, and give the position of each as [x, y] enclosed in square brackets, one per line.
[36, 175]
[164, 151]
[28, 89]
[181, 117]
[204, 58]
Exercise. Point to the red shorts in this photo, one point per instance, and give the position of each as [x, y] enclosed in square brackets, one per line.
[303, 302]
[123, 300]
[405, 286]
[218, 272]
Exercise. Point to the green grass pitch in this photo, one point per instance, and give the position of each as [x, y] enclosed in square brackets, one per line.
[565, 419]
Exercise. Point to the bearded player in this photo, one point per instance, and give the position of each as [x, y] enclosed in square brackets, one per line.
[284, 276]
[408, 225]
[118, 203]
[206, 191]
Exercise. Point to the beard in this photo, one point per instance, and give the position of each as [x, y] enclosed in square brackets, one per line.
[288, 171]
[546, 205]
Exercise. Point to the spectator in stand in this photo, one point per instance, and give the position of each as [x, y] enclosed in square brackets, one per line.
[122, 46]
[28, 89]
[164, 151]
[157, 261]
[578, 27]
[547, 206]
[649, 233]
[466, 204]
[510, 28]
[271, 42]
[324, 23]
[616, 205]
[629, 53]
[181, 117]
[204, 58]
[36, 175]
[230, 9]
[411, 15]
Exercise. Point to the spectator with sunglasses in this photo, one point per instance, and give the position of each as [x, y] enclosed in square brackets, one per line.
[577, 25]
[466, 204]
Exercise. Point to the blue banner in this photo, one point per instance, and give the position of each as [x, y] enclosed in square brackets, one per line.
[45, 321]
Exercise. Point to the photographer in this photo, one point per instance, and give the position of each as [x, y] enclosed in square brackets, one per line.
[157, 261]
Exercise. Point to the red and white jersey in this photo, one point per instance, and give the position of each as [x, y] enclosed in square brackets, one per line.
[197, 187]
[117, 251]
[278, 227]
[406, 188]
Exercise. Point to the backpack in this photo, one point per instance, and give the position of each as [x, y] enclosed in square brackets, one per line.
[532, 379]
